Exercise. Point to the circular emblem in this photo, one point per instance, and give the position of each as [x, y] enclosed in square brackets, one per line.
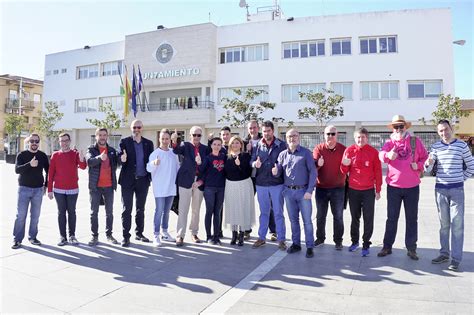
[164, 53]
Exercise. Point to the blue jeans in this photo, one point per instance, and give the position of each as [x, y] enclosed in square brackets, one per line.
[214, 198]
[295, 203]
[162, 213]
[335, 196]
[27, 195]
[269, 196]
[450, 202]
[95, 195]
[410, 197]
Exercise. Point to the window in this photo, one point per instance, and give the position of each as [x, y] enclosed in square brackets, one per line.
[243, 53]
[115, 101]
[303, 49]
[379, 90]
[344, 89]
[63, 70]
[229, 93]
[112, 68]
[381, 45]
[425, 89]
[341, 46]
[86, 72]
[56, 71]
[290, 93]
[85, 105]
[37, 98]
[48, 72]
[112, 140]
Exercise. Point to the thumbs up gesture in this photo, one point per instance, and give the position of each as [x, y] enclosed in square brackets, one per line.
[249, 146]
[81, 155]
[174, 136]
[198, 159]
[392, 155]
[157, 161]
[346, 161]
[123, 158]
[103, 156]
[258, 163]
[321, 161]
[34, 162]
[275, 170]
[237, 161]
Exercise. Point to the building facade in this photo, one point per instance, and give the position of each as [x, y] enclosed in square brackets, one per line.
[383, 63]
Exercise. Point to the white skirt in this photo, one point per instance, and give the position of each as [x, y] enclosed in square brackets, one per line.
[239, 203]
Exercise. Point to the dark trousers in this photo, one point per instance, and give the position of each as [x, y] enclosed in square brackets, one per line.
[66, 203]
[362, 202]
[335, 197]
[410, 197]
[95, 196]
[271, 222]
[140, 189]
[214, 198]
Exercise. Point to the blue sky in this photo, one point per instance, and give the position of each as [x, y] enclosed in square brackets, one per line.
[31, 29]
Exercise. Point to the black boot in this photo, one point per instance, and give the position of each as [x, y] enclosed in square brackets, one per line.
[241, 239]
[234, 238]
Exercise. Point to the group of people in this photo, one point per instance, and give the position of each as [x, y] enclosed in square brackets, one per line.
[229, 171]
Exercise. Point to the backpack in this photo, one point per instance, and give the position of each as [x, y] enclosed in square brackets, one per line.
[413, 150]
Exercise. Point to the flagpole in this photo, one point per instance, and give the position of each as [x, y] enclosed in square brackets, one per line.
[143, 87]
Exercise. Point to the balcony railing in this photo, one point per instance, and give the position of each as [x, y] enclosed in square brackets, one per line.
[174, 106]
[13, 105]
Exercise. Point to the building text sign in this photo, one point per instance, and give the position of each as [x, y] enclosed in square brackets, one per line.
[185, 72]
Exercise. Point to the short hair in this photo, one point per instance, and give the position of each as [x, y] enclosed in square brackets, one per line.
[101, 129]
[362, 131]
[234, 138]
[64, 134]
[136, 121]
[444, 121]
[268, 123]
[214, 139]
[165, 130]
[253, 121]
[292, 130]
[194, 128]
[226, 128]
[329, 127]
[34, 134]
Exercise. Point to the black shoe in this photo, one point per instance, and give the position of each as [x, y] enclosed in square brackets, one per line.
[221, 235]
[241, 239]
[216, 241]
[309, 253]
[35, 241]
[126, 242]
[16, 245]
[293, 249]
[111, 239]
[412, 254]
[94, 241]
[339, 246]
[141, 237]
[318, 242]
[247, 235]
[234, 238]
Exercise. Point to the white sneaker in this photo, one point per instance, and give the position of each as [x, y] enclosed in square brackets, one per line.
[165, 236]
[73, 240]
[157, 241]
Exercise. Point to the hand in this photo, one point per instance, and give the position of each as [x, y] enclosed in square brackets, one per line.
[157, 161]
[81, 156]
[103, 156]
[307, 196]
[174, 136]
[258, 163]
[275, 170]
[321, 161]
[346, 161]
[414, 166]
[51, 195]
[196, 184]
[249, 146]
[34, 162]
[198, 159]
[123, 158]
[45, 189]
[377, 196]
[237, 161]
[392, 155]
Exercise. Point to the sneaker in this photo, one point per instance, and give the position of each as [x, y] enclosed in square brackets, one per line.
[141, 237]
[282, 245]
[73, 240]
[112, 240]
[318, 242]
[157, 241]
[16, 245]
[440, 259]
[94, 241]
[62, 241]
[365, 252]
[453, 266]
[273, 237]
[384, 252]
[309, 253]
[246, 236]
[293, 249]
[412, 254]
[258, 243]
[354, 247]
[338, 246]
[165, 236]
[35, 241]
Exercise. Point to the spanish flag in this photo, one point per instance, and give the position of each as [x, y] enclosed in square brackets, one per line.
[127, 93]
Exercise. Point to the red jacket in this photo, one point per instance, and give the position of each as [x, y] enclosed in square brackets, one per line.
[63, 170]
[365, 170]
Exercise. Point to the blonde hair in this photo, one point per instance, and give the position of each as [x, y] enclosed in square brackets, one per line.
[234, 138]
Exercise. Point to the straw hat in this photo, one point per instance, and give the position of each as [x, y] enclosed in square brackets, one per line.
[397, 120]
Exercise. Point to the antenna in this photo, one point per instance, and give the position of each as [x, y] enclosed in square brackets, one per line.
[243, 4]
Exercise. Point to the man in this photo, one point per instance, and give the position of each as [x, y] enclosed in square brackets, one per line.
[362, 163]
[330, 188]
[269, 187]
[63, 186]
[250, 142]
[455, 165]
[193, 153]
[102, 160]
[299, 175]
[30, 165]
[405, 156]
[134, 179]
[225, 135]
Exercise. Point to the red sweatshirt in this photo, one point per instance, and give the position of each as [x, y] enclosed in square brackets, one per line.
[330, 175]
[365, 170]
[63, 170]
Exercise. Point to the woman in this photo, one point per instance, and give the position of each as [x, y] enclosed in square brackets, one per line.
[163, 166]
[211, 171]
[238, 197]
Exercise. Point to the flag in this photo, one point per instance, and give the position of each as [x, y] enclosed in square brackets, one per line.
[134, 92]
[126, 94]
[140, 80]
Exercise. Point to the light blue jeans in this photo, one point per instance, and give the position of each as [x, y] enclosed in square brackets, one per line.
[295, 203]
[27, 196]
[268, 197]
[450, 202]
[162, 213]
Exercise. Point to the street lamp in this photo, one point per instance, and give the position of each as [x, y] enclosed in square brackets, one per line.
[460, 42]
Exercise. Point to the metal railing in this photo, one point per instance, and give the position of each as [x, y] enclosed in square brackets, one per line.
[14, 104]
[156, 107]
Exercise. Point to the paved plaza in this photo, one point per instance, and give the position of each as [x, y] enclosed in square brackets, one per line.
[202, 278]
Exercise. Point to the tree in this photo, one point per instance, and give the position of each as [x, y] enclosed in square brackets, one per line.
[14, 125]
[49, 117]
[325, 107]
[112, 120]
[448, 108]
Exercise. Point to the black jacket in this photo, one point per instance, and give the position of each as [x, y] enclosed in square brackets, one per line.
[94, 163]
[187, 171]
[129, 168]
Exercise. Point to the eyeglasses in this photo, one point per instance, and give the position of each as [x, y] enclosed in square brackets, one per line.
[398, 126]
[34, 141]
[137, 127]
[292, 136]
[197, 135]
[67, 140]
[330, 134]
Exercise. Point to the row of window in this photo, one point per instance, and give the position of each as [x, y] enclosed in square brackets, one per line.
[56, 71]
[92, 104]
[106, 69]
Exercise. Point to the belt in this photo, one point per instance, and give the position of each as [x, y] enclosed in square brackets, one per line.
[140, 177]
[295, 187]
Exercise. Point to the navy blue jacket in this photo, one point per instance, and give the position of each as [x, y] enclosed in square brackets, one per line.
[187, 171]
[129, 168]
[268, 157]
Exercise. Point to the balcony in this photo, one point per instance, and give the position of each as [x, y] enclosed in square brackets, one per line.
[12, 105]
[166, 114]
[177, 106]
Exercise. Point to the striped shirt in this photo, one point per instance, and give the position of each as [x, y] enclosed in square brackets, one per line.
[451, 160]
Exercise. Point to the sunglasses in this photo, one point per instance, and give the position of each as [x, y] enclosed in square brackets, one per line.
[198, 135]
[34, 141]
[330, 134]
[137, 127]
[398, 126]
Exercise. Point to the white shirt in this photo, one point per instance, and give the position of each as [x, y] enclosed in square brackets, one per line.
[163, 176]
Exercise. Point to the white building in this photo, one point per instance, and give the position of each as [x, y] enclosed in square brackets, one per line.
[383, 63]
